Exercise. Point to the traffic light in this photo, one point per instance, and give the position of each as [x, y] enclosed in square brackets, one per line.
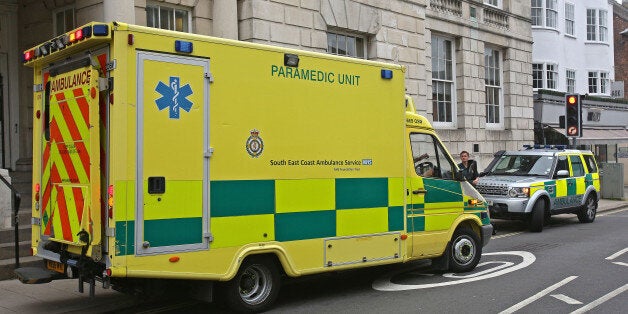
[573, 115]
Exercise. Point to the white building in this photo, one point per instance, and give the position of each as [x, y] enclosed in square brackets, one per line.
[573, 46]
[573, 52]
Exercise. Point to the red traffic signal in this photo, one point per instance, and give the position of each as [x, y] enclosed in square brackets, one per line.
[573, 115]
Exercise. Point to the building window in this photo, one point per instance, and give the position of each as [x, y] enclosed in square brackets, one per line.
[552, 76]
[597, 25]
[545, 75]
[495, 3]
[537, 75]
[167, 17]
[544, 13]
[537, 12]
[442, 80]
[593, 83]
[599, 83]
[346, 45]
[551, 14]
[493, 85]
[570, 76]
[570, 19]
[63, 20]
[604, 83]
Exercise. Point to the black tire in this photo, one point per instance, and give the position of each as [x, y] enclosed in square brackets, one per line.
[465, 250]
[587, 213]
[256, 286]
[537, 217]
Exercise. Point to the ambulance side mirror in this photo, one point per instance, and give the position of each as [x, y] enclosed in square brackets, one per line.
[562, 174]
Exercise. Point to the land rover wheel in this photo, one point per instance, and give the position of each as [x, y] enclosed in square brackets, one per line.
[588, 211]
[465, 250]
[537, 217]
[255, 287]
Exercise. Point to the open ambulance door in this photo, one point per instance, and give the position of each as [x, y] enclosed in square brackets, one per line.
[172, 179]
[70, 178]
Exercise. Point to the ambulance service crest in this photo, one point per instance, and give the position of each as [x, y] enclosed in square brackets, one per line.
[254, 144]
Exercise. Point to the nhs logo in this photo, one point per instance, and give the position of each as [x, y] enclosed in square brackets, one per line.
[367, 162]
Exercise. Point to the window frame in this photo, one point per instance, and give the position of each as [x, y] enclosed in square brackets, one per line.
[346, 35]
[55, 19]
[597, 26]
[546, 75]
[570, 19]
[601, 82]
[551, 14]
[497, 121]
[186, 27]
[538, 20]
[570, 80]
[449, 67]
[494, 3]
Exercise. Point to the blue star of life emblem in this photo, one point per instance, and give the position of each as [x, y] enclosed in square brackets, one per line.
[174, 96]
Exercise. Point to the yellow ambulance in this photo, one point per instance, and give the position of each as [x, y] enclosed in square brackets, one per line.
[162, 156]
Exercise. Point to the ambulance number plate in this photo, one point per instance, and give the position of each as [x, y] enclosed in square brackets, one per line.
[56, 266]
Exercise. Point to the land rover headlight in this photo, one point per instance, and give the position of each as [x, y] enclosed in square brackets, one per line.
[519, 192]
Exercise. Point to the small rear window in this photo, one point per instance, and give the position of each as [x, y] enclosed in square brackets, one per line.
[590, 161]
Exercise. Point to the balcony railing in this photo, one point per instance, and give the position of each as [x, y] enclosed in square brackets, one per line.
[448, 6]
[496, 18]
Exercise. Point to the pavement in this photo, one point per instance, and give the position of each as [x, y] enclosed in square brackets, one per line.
[62, 296]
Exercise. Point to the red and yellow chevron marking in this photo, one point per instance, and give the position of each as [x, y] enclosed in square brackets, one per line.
[66, 160]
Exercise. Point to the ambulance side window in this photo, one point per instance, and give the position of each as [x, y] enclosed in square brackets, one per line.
[561, 164]
[576, 166]
[591, 165]
[430, 159]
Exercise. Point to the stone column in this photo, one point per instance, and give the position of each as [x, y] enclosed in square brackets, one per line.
[225, 19]
[119, 11]
[5, 201]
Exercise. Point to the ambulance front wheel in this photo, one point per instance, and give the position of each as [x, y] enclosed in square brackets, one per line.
[537, 216]
[256, 286]
[465, 250]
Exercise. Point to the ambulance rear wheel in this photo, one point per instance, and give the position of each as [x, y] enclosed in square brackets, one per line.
[537, 217]
[256, 286]
[465, 250]
[587, 213]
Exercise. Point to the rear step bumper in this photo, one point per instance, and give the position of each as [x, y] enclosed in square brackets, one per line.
[36, 275]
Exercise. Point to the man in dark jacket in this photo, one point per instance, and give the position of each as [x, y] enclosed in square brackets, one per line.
[469, 168]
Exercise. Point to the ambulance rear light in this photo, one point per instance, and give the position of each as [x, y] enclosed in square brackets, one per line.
[183, 46]
[37, 188]
[107, 272]
[28, 55]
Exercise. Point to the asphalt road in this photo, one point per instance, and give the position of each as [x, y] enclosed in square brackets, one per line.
[569, 267]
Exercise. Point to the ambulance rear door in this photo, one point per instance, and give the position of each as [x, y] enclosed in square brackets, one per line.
[70, 173]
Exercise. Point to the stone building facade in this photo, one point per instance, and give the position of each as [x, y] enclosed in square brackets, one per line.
[468, 61]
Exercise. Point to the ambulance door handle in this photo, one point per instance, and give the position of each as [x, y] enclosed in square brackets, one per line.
[419, 191]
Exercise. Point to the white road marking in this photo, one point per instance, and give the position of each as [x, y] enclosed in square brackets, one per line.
[537, 296]
[614, 256]
[621, 264]
[490, 270]
[601, 300]
[506, 235]
[613, 211]
[385, 284]
[566, 299]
